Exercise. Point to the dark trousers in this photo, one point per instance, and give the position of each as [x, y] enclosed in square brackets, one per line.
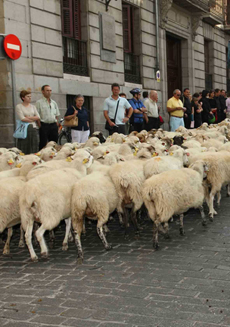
[47, 132]
[138, 127]
[187, 121]
[153, 123]
[121, 130]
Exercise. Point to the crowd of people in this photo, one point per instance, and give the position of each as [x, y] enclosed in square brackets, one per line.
[122, 115]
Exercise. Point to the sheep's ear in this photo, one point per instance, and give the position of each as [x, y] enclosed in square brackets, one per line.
[10, 162]
[19, 165]
[22, 154]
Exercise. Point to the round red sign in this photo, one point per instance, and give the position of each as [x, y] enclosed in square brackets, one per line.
[12, 46]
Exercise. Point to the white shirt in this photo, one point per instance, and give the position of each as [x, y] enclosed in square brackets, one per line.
[152, 108]
[23, 112]
[110, 105]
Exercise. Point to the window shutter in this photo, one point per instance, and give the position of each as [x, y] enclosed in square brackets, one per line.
[77, 19]
[127, 34]
[67, 18]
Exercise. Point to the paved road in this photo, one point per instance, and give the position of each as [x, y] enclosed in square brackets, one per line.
[186, 283]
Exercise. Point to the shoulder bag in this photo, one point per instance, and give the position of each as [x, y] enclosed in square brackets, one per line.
[21, 130]
[73, 122]
[112, 128]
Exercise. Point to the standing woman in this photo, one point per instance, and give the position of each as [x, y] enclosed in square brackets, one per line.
[79, 133]
[28, 113]
[207, 111]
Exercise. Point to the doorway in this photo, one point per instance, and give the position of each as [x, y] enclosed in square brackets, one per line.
[174, 76]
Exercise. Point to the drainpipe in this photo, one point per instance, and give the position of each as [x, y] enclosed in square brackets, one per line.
[157, 34]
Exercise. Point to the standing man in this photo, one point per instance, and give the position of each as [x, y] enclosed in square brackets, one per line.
[145, 95]
[115, 109]
[187, 104]
[152, 111]
[176, 111]
[49, 112]
[139, 110]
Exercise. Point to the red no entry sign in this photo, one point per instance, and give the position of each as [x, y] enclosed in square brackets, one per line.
[12, 46]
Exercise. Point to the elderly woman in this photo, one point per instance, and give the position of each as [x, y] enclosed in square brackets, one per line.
[26, 112]
[79, 133]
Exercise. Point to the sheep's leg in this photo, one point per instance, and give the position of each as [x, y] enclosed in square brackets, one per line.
[204, 221]
[6, 249]
[155, 235]
[120, 219]
[77, 229]
[211, 206]
[28, 237]
[83, 228]
[134, 221]
[102, 236]
[36, 226]
[228, 190]
[21, 243]
[52, 238]
[165, 230]
[40, 237]
[218, 198]
[106, 228]
[182, 224]
[126, 223]
[67, 232]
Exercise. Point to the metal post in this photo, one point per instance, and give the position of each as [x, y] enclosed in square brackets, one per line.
[14, 96]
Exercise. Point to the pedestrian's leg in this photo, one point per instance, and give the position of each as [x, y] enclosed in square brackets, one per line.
[84, 136]
[43, 136]
[75, 136]
[53, 133]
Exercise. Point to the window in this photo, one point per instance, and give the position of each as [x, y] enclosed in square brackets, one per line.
[71, 19]
[208, 75]
[74, 49]
[131, 44]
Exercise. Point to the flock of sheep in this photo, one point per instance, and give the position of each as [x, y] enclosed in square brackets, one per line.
[167, 172]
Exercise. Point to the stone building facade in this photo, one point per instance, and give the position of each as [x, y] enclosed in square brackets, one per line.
[84, 49]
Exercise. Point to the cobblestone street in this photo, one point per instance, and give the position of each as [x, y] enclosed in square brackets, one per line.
[186, 283]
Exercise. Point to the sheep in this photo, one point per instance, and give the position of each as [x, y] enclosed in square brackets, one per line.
[3, 150]
[212, 143]
[100, 136]
[47, 154]
[22, 168]
[157, 165]
[56, 164]
[174, 192]
[64, 153]
[9, 160]
[92, 143]
[9, 207]
[128, 178]
[191, 144]
[87, 201]
[47, 199]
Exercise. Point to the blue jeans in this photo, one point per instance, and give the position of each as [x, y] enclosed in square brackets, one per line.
[175, 123]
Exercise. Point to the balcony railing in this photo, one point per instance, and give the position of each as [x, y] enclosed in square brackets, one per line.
[132, 68]
[75, 57]
[208, 81]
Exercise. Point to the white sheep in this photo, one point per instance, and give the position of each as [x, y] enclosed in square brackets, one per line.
[9, 160]
[95, 197]
[9, 206]
[47, 154]
[176, 160]
[174, 192]
[47, 199]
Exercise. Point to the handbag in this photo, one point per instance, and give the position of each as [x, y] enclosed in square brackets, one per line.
[21, 130]
[112, 128]
[211, 118]
[73, 122]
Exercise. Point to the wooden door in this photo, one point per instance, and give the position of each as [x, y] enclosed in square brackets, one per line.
[173, 46]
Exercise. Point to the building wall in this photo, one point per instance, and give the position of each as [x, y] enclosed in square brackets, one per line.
[38, 25]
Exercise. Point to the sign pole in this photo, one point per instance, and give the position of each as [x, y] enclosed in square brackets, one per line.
[14, 96]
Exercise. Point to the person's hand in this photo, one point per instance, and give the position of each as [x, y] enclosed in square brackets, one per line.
[125, 120]
[111, 123]
[185, 115]
[184, 109]
[225, 110]
[76, 112]
[144, 110]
